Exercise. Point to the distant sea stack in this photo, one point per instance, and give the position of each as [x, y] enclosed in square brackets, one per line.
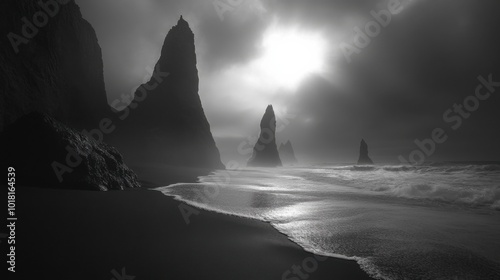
[265, 152]
[166, 123]
[53, 66]
[364, 159]
[287, 154]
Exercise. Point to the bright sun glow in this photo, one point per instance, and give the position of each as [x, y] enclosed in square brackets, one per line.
[289, 55]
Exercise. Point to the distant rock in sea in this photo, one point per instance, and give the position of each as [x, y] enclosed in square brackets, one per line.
[54, 68]
[166, 122]
[287, 154]
[265, 152]
[47, 153]
[364, 159]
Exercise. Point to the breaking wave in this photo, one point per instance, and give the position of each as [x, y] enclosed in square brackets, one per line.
[465, 184]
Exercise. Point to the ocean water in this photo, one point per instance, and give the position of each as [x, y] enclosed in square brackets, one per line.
[438, 221]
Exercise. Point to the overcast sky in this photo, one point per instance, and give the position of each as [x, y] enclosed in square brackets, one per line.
[287, 53]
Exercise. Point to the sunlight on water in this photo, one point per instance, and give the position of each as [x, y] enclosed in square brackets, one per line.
[398, 222]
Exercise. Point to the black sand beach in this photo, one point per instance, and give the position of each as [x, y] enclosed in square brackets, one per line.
[86, 235]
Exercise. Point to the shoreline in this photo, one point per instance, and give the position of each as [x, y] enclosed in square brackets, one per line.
[67, 234]
[218, 212]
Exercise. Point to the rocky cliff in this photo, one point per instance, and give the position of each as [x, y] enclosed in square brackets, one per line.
[165, 122]
[287, 154]
[50, 62]
[265, 152]
[51, 81]
[47, 153]
[364, 159]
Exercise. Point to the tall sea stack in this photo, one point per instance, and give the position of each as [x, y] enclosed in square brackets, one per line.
[51, 66]
[166, 123]
[364, 159]
[265, 152]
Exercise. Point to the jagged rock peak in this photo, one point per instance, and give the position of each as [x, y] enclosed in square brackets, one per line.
[178, 53]
[182, 21]
[183, 25]
[269, 119]
[364, 159]
[265, 152]
[171, 121]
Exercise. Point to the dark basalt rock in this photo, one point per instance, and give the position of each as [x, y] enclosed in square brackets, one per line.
[167, 123]
[364, 159]
[265, 152]
[287, 154]
[47, 153]
[57, 69]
